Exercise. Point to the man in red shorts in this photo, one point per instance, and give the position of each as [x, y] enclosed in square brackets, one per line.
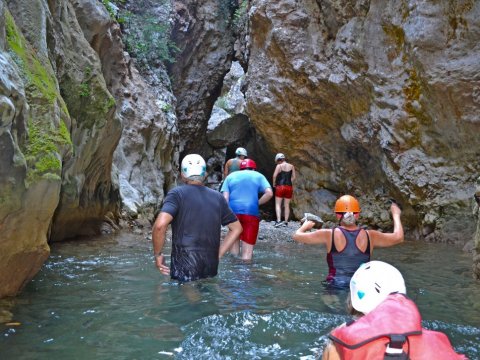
[283, 178]
[241, 190]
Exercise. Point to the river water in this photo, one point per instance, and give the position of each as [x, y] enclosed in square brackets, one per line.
[103, 299]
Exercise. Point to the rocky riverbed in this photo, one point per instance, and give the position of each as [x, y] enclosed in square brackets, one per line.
[267, 232]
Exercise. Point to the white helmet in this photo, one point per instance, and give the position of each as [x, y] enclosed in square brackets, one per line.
[241, 152]
[279, 156]
[372, 283]
[193, 165]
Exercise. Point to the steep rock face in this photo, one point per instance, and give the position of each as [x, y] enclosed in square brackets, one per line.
[203, 32]
[375, 99]
[88, 193]
[66, 86]
[33, 140]
[476, 237]
[229, 127]
[145, 156]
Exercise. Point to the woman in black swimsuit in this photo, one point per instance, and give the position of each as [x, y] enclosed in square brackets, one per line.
[283, 178]
[348, 245]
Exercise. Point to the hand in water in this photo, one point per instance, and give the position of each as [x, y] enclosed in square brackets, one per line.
[159, 262]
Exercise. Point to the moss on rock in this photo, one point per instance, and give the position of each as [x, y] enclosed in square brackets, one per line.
[40, 81]
[42, 151]
[43, 147]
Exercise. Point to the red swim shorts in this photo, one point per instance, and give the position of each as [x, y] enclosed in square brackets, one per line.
[250, 224]
[284, 191]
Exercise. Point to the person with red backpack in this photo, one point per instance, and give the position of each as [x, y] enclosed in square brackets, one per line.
[391, 325]
[241, 189]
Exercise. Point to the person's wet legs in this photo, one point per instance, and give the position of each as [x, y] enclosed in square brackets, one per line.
[247, 251]
[235, 249]
[278, 209]
[286, 205]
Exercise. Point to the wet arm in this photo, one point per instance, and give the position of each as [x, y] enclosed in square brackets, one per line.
[380, 239]
[226, 195]
[331, 352]
[275, 173]
[225, 168]
[234, 231]
[317, 237]
[158, 239]
[267, 195]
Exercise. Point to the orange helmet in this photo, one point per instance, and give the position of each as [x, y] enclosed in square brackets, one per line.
[347, 203]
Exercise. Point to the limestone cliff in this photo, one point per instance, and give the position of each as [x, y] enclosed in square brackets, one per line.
[378, 99]
[204, 35]
[476, 242]
[67, 91]
[373, 98]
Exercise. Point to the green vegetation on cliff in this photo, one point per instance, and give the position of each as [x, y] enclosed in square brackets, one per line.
[42, 152]
[42, 148]
[149, 39]
[40, 82]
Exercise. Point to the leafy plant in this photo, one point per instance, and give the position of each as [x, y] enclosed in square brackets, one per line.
[149, 40]
[84, 90]
[240, 15]
[110, 9]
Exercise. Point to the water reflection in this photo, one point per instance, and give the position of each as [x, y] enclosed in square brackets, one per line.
[104, 299]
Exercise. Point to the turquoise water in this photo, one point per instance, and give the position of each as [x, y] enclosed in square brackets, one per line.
[104, 299]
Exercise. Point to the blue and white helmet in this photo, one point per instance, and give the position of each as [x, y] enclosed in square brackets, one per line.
[193, 165]
[372, 283]
[241, 152]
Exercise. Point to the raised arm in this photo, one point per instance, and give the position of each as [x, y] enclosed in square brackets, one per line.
[303, 235]
[380, 239]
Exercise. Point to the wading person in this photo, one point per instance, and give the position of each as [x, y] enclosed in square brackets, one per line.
[241, 189]
[233, 164]
[391, 327]
[196, 214]
[348, 245]
[283, 178]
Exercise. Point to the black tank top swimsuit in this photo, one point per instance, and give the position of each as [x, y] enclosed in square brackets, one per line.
[343, 264]
[284, 178]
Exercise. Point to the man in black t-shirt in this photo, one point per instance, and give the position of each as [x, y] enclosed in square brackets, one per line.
[196, 214]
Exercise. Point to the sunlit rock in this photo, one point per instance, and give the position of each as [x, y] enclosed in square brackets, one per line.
[374, 99]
